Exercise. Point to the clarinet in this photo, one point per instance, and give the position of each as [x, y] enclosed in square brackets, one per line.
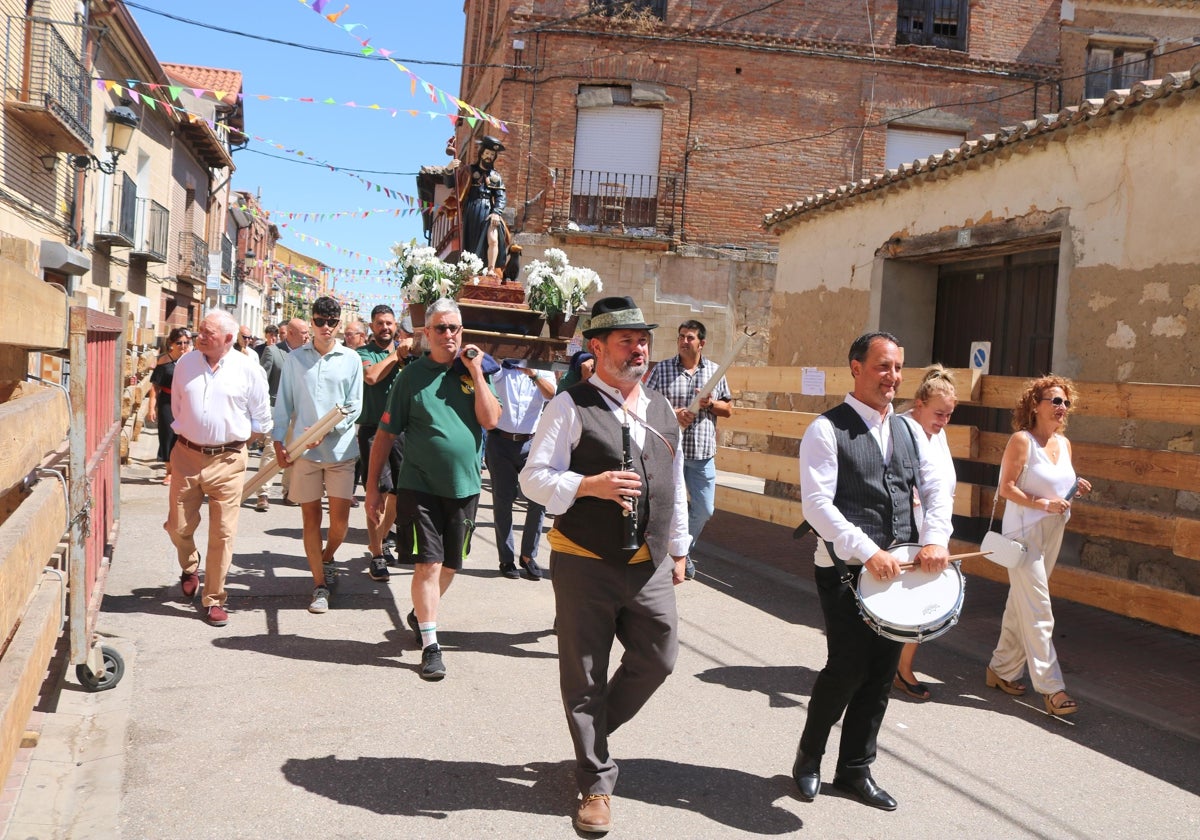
[629, 518]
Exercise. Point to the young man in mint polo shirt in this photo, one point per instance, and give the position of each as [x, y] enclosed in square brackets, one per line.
[440, 403]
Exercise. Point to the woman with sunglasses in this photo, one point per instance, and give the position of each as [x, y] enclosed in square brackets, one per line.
[179, 341]
[1037, 483]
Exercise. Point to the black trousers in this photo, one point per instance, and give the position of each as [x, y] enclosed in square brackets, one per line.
[856, 679]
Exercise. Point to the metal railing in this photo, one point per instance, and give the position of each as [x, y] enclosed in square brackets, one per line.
[153, 221]
[51, 71]
[636, 205]
[621, 8]
[118, 223]
[193, 257]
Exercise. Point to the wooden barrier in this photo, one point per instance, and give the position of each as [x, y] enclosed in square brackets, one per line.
[1175, 404]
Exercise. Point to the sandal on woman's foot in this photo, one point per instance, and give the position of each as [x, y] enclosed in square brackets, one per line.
[916, 690]
[1066, 706]
[1007, 686]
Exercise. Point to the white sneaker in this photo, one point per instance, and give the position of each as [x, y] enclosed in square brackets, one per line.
[320, 600]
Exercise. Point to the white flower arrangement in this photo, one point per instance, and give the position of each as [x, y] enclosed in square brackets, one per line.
[554, 286]
[426, 277]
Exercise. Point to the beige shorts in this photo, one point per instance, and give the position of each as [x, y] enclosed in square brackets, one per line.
[312, 480]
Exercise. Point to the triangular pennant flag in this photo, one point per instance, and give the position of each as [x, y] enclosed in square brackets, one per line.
[174, 91]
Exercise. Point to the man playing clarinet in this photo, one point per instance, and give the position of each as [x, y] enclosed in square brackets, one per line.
[606, 462]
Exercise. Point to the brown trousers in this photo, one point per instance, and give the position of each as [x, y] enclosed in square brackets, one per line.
[220, 477]
[597, 602]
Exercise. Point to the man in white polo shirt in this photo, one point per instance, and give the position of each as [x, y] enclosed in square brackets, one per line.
[220, 402]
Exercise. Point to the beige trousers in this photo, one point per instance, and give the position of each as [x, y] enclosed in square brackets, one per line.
[1027, 630]
[220, 477]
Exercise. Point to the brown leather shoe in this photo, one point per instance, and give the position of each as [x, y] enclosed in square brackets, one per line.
[594, 815]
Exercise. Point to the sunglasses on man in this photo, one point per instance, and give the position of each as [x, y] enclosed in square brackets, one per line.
[325, 322]
[452, 329]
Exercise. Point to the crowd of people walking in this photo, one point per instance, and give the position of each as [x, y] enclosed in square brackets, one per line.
[622, 458]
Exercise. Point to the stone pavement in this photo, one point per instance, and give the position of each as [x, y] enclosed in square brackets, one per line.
[285, 724]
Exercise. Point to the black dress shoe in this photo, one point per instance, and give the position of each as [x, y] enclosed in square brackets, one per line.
[807, 773]
[510, 571]
[865, 789]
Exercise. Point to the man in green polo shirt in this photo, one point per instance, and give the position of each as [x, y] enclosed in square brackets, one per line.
[382, 358]
[440, 403]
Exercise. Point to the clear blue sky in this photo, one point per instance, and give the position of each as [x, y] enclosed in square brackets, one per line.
[416, 32]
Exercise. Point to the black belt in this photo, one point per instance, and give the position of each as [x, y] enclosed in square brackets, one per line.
[519, 438]
[211, 450]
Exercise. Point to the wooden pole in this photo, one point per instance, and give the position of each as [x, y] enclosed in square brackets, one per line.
[296, 444]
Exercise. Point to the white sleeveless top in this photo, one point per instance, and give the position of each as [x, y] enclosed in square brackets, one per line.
[1042, 478]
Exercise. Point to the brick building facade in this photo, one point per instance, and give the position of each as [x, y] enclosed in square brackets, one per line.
[687, 120]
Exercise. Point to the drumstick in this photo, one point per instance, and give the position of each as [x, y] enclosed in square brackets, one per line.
[952, 558]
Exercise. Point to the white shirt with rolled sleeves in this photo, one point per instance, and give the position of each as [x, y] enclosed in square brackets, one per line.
[547, 478]
[520, 400]
[818, 485]
[216, 407]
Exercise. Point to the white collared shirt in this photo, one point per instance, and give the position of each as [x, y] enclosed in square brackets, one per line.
[818, 485]
[213, 407]
[547, 478]
[520, 399]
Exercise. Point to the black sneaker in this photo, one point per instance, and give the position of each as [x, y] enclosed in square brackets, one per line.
[431, 663]
[415, 625]
[378, 569]
[389, 543]
[389, 558]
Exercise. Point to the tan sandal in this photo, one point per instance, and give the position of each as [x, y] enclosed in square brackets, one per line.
[1007, 686]
[1068, 706]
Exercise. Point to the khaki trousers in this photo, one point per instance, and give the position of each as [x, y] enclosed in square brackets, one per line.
[193, 476]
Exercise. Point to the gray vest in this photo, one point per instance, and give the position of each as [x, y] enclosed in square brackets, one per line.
[873, 495]
[595, 524]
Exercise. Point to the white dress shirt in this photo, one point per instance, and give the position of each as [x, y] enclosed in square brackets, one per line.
[818, 485]
[213, 407]
[547, 478]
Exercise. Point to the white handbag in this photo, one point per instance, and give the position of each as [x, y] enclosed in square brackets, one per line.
[1001, 550]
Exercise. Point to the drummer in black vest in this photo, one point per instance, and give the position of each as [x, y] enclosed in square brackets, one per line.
[606, 462]
[859, 464]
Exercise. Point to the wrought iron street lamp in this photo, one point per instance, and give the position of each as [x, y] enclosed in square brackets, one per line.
[122, 122]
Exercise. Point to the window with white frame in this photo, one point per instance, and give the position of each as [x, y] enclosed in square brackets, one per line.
[617, 148]
[904, 145]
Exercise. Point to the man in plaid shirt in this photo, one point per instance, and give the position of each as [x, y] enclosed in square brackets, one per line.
[678, 379]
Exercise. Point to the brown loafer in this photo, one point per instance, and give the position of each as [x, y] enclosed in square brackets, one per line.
[595, 814]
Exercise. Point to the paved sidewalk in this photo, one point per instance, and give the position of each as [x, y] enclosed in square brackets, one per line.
[284, 724]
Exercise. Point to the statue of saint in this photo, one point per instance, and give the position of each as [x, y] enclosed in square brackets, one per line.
[481, 203]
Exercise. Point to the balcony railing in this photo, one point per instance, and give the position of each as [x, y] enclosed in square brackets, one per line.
[193, 258]
[153, 221]
[614, 202]
[54, 93]
[118, 219]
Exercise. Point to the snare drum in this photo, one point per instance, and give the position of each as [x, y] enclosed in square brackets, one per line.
[916, 606]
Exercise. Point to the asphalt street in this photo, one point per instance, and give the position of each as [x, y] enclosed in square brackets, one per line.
[286, 724]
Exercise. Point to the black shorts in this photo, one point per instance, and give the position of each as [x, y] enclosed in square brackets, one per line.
[443, 526]
[391, 467]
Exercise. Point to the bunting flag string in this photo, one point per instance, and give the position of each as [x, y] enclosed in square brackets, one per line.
[473, 115]
[174, 94]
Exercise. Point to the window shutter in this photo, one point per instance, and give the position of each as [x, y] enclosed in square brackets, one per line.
[618, 141]
[904, 145]
[1099, 72]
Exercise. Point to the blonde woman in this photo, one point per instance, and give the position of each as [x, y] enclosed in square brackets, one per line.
[935, 401]
[1037, 482]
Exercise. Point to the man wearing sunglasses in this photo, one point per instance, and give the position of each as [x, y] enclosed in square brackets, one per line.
[440, 402]
[318, 377]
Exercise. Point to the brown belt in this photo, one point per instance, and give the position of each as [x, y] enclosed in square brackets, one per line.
[519, 438]
[211, 450]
